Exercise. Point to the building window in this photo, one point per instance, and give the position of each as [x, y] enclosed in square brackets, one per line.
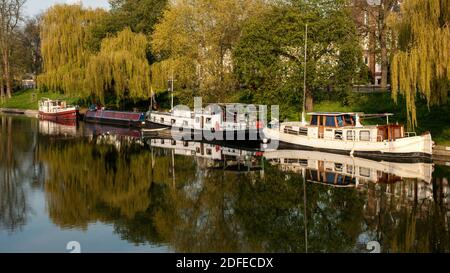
[366, 60]
[364, 135]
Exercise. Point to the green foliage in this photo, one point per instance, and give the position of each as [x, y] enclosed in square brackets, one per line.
[269, 58]
[422, 63]
[65, 54]
[138, 15]
[121, 68]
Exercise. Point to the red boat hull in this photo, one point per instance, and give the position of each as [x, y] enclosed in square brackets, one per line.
[63, 117]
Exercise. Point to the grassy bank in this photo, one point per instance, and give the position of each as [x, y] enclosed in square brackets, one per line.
[28, 99]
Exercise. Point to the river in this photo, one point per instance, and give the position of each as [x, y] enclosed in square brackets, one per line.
[113, 190]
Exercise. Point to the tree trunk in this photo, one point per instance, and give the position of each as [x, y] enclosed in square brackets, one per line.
[2, 86]
[309, 101]
[7, 72]
[383, 47]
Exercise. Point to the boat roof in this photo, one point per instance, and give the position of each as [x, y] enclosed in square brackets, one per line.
[348, 113]
[47, 99]
[333, 113]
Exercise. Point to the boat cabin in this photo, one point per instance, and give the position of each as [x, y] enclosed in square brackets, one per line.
[215, 117]
[345, 126]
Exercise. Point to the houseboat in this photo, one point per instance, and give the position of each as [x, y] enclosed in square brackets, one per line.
[119, 118]
[58, 111]
[346, 171]
[221, 121]
[343, 133]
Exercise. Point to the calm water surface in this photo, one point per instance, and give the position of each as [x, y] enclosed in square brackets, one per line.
[113, 190]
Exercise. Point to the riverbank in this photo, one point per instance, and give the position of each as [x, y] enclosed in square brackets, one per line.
[28, 99]
[436, 120]
[25, 112]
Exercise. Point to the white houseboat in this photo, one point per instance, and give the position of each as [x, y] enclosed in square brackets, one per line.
[344, 133]
[228, 121]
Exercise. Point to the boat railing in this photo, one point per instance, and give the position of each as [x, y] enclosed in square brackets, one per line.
[410, 134]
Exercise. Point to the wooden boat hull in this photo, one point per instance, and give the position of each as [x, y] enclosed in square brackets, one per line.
[64, 117]
[417, 147]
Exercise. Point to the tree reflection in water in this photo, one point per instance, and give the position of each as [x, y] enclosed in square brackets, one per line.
[154, 195]
[16, 170]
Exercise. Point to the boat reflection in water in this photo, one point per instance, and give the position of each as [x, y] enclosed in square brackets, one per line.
[215, 156]
[61, 129]
[343, 171]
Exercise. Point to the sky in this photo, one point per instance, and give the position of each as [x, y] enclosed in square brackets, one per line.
[33, 7]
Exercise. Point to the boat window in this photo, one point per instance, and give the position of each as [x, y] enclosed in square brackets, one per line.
[173, 121]
[185, 143]
[314, 120]
[340, 121]
[174, 142]
[208, 151]
[330, 177]
[330, 121]
[303, 131]
[208, 120]
[350, 169]
[197, 119]
[162, 120]
[364, 172]
[348, 119]
[364, 135]
[338, 134]
[350, 135]
[185, 123]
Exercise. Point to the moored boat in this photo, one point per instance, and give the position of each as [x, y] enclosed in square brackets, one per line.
[58, 111]
[221, 122]
[128, 119]
[343, 133]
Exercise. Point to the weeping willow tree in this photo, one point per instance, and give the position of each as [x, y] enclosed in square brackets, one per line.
[65, 31]
[422, 63]
[121, 68]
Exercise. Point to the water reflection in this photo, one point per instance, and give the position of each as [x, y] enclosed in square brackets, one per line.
[202, 197]
[19, 170]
